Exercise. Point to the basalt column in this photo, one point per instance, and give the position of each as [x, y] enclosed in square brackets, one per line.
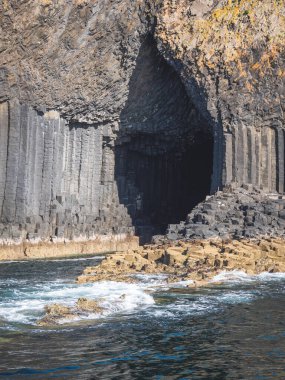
[56, 178]
[255, 156]
[66, 180]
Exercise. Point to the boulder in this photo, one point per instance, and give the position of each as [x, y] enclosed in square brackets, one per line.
[55, 313]
[88, 305]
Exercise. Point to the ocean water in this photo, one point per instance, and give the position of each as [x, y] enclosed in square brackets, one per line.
[149, 330]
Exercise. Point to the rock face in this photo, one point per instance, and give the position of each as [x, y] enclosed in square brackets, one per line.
[230, 56]
[118, 117]
[56, 178]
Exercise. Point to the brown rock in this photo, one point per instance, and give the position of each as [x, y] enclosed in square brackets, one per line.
[155, 255]
[195, 260]
[174, 256]
[55, 313]
[56, 310]
[84, 304]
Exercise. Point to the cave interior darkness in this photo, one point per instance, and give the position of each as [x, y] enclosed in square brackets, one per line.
[164, 151]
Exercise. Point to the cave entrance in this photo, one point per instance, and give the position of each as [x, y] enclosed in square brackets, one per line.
[164, 151]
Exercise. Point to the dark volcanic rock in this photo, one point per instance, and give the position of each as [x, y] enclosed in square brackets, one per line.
[235, 213]
[121, 116]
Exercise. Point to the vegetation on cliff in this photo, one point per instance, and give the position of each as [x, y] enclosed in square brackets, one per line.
[245, 37]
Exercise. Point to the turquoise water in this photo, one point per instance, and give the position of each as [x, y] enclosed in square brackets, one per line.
[150, 330]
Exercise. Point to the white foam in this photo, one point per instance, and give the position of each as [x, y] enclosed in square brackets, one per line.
[12, 281]
[12, 261]
[181, 306]
[237, 276]
[114, 297]
[265, 276]
[232, 276]
[156, 279]
[153, 281]
[126, 297]
[180, 284]
[77, 259]
[26, 303]
[236, 297]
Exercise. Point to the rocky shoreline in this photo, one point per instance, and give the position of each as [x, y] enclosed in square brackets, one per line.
[194, 262]
[234, 214]
[197, 260]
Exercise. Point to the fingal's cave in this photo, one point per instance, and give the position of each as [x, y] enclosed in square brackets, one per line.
[140, 117]
[69, 180]
[163, 154]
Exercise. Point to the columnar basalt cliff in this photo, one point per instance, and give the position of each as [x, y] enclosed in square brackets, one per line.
[119, 117]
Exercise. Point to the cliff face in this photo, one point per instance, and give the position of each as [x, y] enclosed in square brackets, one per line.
[73, 56]
[232, 55]
[122, 115]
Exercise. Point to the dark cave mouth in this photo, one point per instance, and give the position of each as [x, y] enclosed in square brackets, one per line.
[162, 189]
[164, 152]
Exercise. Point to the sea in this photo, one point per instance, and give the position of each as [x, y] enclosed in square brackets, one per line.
[233, 329]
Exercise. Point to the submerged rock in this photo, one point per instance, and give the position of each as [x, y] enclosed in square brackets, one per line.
[87, 305]
[55, 313]
[58, 313]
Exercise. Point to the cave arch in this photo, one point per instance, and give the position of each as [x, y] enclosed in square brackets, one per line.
[164, 149]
